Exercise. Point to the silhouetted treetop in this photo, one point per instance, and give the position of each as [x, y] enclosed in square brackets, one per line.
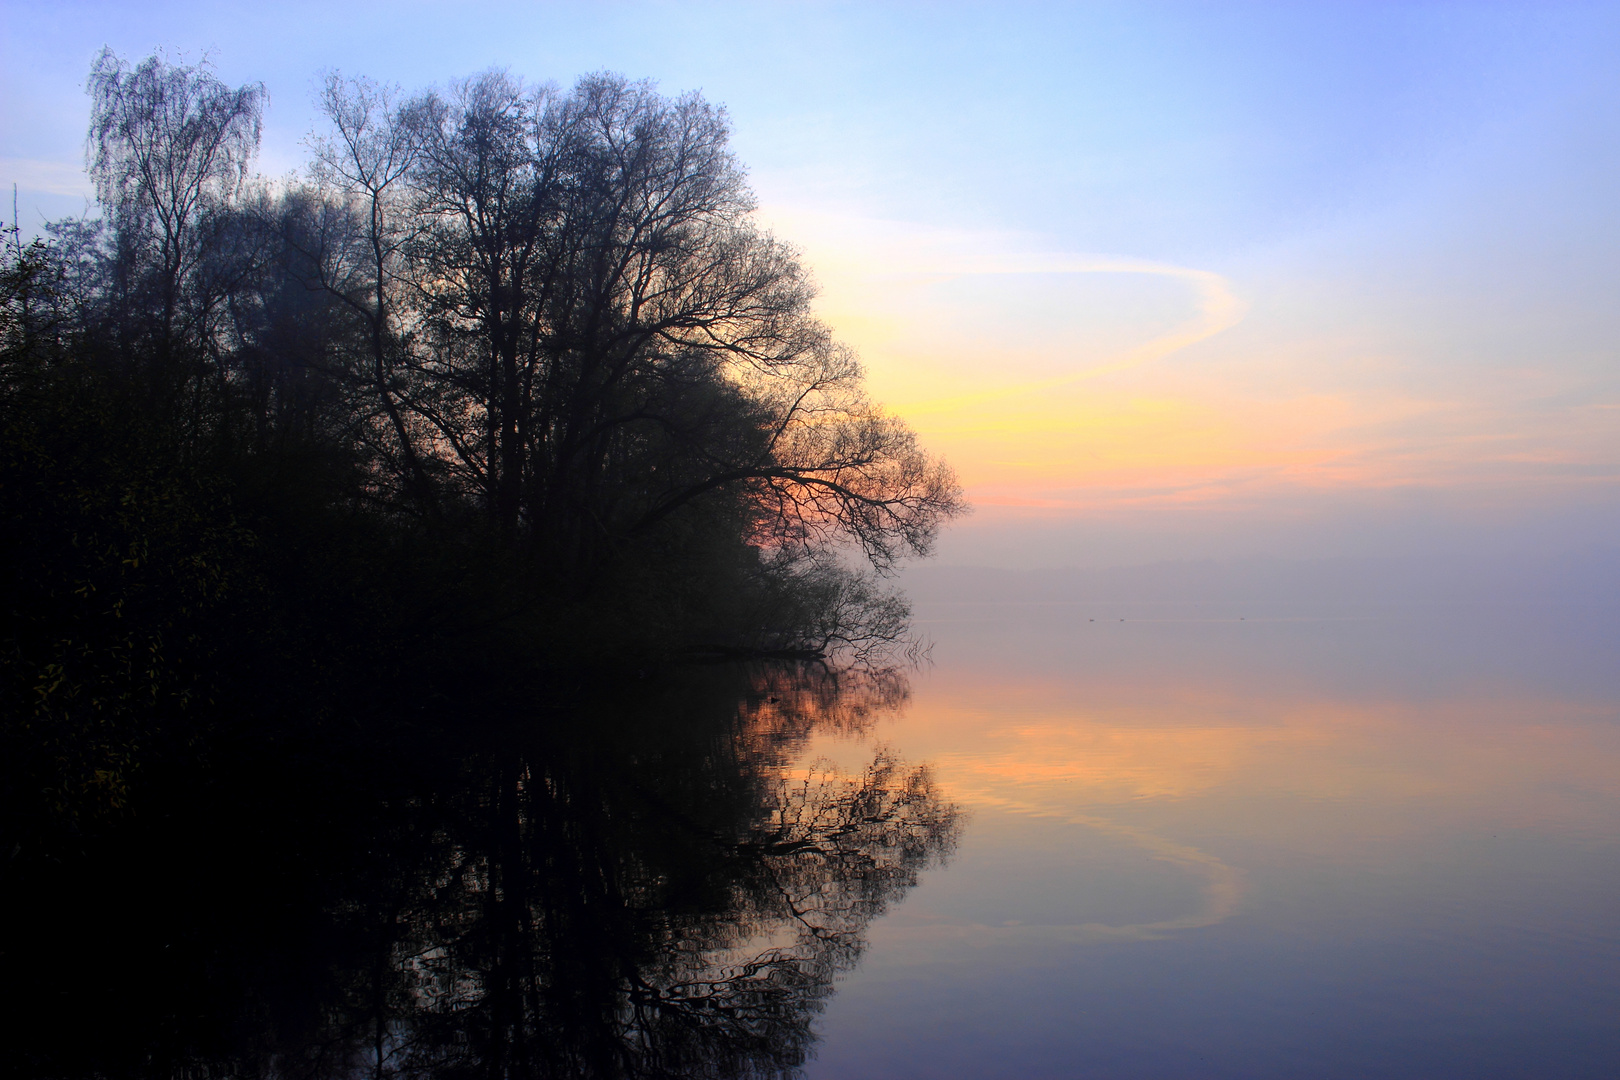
[535, 322]
[581, 327]
[168, 149]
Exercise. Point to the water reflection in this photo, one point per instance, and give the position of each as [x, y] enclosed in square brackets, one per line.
[1360, 844]
[653, 888]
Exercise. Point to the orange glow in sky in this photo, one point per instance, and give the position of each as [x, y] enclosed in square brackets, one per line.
[1161, 282]
[1069, 383]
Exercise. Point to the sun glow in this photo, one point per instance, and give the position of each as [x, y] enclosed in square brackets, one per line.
[1056, 382]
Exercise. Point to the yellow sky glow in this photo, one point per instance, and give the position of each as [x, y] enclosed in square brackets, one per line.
[1062, 382]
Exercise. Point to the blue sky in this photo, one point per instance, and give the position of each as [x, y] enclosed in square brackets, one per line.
[1404, 216]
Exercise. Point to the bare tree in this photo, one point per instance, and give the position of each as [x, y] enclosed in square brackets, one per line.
[169, 147]
[485, 181]
[355, 236]
[611, 342]
[550, 309]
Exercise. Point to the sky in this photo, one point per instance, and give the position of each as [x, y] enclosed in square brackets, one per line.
[1160, 280]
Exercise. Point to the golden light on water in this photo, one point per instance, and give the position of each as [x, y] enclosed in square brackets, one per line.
[1213, 780]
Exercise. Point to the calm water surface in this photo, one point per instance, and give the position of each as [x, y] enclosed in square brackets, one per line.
[1225, 842]
[1093, 841]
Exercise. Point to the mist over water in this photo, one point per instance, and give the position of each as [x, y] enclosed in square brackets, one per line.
[1261, 821]
[1200, 820]
[450, 482]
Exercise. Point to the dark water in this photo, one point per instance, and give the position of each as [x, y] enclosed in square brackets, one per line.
[653, 886]
[1193, 841]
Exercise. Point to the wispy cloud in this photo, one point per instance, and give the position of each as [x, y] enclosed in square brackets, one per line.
[1063, 384]
[1218, 308]
[45, 177]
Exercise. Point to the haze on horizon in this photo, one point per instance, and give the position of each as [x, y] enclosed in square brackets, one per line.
[1167, 281]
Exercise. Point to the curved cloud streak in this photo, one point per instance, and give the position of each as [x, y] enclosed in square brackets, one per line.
[1218, 309]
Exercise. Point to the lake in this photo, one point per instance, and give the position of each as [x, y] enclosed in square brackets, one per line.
[1087, 838]
[1254, 840]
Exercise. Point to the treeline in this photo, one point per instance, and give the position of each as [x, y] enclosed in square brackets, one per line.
[507, 382]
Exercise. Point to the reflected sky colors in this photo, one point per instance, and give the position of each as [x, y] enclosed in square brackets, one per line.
[1206, 841]
[1163, 280]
